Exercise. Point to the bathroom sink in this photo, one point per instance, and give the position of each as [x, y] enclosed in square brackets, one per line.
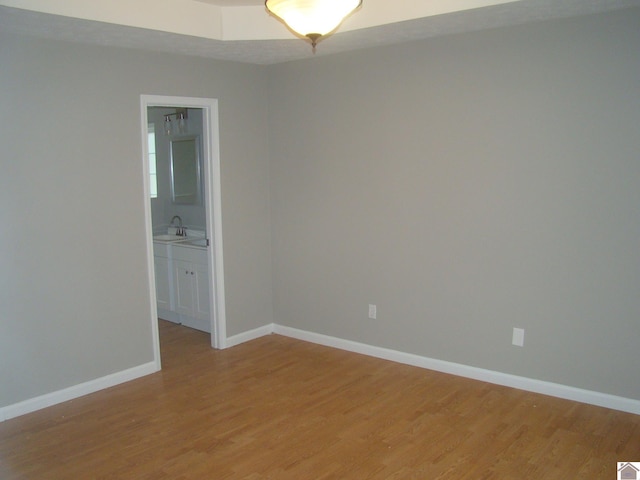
[168, 238]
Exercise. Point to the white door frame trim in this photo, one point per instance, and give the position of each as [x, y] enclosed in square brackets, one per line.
[212, 199]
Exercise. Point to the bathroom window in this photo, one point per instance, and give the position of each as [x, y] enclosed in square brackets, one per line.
[153, 176]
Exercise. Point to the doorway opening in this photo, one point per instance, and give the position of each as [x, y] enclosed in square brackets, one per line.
[181, 164]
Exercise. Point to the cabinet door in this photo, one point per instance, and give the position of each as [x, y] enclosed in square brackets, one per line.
[163, 285]
[201, 291]
[183, 282]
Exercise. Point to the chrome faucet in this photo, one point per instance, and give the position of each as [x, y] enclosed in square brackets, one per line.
[180, 230]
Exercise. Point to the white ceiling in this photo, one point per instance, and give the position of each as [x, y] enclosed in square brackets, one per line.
[241, 30]
[233, 3]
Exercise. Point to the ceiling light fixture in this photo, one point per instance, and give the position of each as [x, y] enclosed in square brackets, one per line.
[312, 18]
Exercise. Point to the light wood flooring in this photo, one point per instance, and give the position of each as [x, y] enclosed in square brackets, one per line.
[278, 408]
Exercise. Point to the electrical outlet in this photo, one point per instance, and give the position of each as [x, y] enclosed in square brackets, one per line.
[372, 311]
[518, 337]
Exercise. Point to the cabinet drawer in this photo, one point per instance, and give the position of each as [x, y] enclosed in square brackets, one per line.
[161, 249]
[190, 254]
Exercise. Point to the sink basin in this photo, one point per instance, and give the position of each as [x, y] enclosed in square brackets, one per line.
[168, 238]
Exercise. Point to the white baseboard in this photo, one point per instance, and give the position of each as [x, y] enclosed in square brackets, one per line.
[53, 398]
[529, 384]
[522, 383]
[250, 335]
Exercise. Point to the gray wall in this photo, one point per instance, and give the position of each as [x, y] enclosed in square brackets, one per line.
[467, 185]
[73, 274]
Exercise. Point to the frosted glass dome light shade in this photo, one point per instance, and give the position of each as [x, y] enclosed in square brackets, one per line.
[312, 18]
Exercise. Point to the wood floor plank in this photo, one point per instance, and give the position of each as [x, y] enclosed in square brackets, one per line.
[278, 408]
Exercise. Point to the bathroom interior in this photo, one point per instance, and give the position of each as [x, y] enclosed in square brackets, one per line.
[178, 214]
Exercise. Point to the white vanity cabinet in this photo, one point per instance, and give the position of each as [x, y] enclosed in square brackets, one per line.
[191, 283]
[182, 284]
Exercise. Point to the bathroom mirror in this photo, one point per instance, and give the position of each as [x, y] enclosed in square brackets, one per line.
[185, 170]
